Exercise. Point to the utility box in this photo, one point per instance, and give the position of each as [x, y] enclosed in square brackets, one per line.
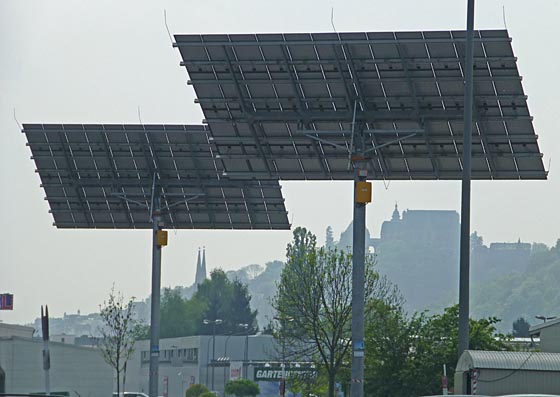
[363, 192]
[161, 238]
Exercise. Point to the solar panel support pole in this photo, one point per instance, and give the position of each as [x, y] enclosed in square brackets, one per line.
[358, 279]
[464, 263]
[155, 309]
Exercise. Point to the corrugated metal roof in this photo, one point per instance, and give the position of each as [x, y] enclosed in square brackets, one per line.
[533, 361]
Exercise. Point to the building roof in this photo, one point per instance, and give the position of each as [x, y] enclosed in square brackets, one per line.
[536, 329]
[532, 361]
[6, 339]
[15, 330]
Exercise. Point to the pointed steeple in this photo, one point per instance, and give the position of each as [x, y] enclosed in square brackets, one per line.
[396, 214]
[198, 278]
[203, 265]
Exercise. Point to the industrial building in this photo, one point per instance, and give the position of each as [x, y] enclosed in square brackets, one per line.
[495, 373]
[549, 334]
[74, 369]
[202, 359]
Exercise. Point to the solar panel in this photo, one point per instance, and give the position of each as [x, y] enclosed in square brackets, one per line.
[101, 176]
[293, 106]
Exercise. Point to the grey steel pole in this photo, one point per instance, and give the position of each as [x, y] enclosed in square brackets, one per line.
[213, 350]
[464, 265]
[155, 312]
[246, 357]
[358, 279]
[46, 367]
[46, 352]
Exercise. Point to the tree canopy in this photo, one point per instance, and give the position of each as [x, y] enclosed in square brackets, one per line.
[228, 301]
[216, 298]
[405, 355]
[522, 294]
[196, 390]
[117, 334]
[242, 388]
[314, 301]
[521, 328]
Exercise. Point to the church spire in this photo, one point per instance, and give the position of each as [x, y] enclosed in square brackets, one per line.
[199, 278]
[203, 265]
[396, 214]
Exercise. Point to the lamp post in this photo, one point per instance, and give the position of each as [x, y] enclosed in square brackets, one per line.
[283, 320]
[545, 318]
[246, 353]
[214, 322]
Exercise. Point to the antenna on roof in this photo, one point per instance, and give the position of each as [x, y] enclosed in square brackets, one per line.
[139, 116]
[332, 20]
[504, 16]
[166, 26]
[17, 122]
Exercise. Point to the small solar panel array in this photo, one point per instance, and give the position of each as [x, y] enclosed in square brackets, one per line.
[101, 176]
[295, 106]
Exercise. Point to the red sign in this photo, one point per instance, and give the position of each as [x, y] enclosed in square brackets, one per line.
[6, 302]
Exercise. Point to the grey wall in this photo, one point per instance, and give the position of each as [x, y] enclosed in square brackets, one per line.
[73, 369]
[496, 382]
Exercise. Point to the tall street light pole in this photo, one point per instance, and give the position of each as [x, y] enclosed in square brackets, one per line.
[215, 322]
[283, 320]
[464, 264]
[246, 353]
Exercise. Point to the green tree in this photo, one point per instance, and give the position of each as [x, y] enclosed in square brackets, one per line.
[226, 300]
[329, 239]
[521, 328]
[314, 302]
[392, 346]
[216, 298]
[196, 390]
[117, 334]
[242, 388]
[179, 317]
[404, 356]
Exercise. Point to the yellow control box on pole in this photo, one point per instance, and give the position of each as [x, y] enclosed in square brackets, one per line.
[161, 238]
[363, 192]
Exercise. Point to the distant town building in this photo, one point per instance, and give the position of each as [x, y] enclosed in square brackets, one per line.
[490, 262]
[86, 325]
[73, 324]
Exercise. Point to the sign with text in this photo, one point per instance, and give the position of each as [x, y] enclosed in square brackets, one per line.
[6, 302]
[235, 370]
[276, 373]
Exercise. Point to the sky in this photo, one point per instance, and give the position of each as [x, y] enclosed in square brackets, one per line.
[106, 61]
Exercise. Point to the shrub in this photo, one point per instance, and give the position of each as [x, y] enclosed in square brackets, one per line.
[197, 390]
[242, 388]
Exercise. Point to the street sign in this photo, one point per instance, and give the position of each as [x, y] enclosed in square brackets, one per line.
[6, 302]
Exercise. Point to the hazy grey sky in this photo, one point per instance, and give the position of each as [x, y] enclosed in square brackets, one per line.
[97, 61]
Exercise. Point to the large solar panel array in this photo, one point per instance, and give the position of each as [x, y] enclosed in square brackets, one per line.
[101, 176]
[294, 105]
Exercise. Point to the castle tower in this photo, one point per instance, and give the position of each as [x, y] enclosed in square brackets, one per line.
[396, 214]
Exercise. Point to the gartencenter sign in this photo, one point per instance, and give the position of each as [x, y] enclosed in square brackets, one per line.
[276, 373]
